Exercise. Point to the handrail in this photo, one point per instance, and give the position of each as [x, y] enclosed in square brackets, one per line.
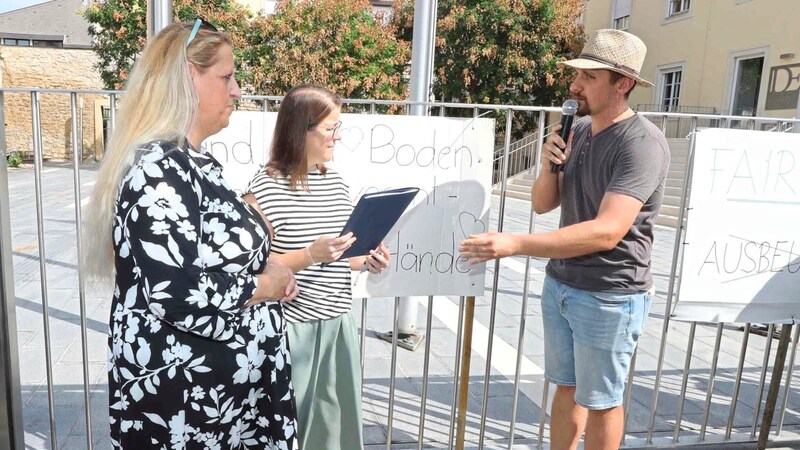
[489, 106]
[517, 164]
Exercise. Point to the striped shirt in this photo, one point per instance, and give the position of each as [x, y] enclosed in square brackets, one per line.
[299, 217]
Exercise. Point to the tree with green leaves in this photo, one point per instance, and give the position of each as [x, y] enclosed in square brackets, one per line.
[339, 44]
[119, 30]
[501, 51]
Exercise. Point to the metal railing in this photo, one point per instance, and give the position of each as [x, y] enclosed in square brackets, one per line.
[680, 126]
[683, 109]
[677, 393]
[520, 155]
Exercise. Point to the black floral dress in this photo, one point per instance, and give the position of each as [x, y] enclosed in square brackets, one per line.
[189, 366]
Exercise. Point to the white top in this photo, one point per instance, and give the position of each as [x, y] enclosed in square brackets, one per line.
[299, 217]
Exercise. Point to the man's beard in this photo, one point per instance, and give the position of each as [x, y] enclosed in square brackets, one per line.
[583, 107]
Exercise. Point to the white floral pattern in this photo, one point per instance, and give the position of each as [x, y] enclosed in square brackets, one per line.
[189, 367]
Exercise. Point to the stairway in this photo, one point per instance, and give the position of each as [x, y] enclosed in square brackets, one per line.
[670, 206]
[520, 185]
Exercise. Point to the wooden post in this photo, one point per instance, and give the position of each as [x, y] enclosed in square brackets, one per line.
[463, 379]
[774, 385]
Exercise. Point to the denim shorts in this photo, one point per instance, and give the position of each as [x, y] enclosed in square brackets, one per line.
[589, 339]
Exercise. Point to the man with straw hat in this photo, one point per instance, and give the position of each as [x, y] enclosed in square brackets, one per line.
[598, 288]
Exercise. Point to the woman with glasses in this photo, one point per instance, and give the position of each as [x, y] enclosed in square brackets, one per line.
[198, 357]
[307, 206]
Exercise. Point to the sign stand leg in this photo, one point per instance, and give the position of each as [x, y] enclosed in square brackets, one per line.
[463, 379]
[774, 385]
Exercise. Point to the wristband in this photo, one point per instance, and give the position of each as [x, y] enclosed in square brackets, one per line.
[308, 252]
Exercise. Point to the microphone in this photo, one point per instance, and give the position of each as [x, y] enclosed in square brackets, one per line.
[568, 110]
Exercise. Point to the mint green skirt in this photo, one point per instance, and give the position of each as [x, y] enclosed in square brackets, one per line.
[326, 374]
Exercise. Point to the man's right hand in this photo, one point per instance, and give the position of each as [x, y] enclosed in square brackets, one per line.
[555, 150]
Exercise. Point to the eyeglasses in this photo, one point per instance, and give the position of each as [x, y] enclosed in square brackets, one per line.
[331, 131]
[197, 23]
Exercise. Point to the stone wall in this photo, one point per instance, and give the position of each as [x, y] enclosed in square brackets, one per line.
[53, 68]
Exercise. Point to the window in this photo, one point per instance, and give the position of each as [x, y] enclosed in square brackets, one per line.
[47, 42]
[621, 14]
[43, 43]
[10, 41]
[622, 23]
[678, 6]
[746, 85]
[670, 89]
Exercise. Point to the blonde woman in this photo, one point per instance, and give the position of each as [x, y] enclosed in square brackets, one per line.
[197, 347]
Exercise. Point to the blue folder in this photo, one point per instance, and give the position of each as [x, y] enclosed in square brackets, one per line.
[374, 216]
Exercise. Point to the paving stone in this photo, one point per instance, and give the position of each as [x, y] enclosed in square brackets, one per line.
[374, 434]
[97, 347]
[33, 364]
[36, 422]
[68, 385]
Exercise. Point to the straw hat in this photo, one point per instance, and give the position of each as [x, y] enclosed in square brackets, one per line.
[613, 50]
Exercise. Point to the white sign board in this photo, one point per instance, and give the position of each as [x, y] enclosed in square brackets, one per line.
[742, 247]
[242, 147]
[449, 159]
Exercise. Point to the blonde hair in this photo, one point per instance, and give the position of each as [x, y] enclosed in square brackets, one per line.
[160, 103]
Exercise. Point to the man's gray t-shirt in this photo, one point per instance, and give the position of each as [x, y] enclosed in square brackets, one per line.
[630, 157]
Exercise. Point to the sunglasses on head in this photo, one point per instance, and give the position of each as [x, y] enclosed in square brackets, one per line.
[197, 24]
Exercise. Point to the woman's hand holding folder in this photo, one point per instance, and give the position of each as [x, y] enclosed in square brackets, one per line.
[329, 248]
[377, 260]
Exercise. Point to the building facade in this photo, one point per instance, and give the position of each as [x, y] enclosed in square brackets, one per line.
[739, 57]
[48, 46]
[56, 68]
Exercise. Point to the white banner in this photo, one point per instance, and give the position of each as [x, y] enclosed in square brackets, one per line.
[449, 159]
[243, 146]
[742, 247]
